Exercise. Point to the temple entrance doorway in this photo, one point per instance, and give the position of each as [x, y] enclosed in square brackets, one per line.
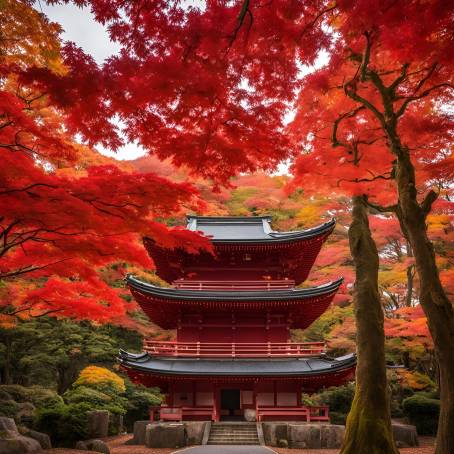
[231, 405]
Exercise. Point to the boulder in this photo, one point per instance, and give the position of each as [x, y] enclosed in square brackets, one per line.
[331, 436]
[98, 423]
[82, 446]
[405, 435]
[165, 435]
[8, 424]
[93, 445]
[194, 432]
[139, 433]
[250, 415]
[12, 442]
[273, 432]
[42, 438]
[304, 436]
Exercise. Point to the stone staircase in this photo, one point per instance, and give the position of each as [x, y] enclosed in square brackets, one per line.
[231, 433]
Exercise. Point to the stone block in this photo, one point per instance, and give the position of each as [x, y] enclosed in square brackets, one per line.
[331, 436]
[194, 432]
[98, 423]
[165, 435]
[273, 432]
[405, 435]
[304, 436]
[139, 433]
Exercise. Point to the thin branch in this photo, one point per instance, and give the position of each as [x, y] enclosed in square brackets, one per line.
[381, 208]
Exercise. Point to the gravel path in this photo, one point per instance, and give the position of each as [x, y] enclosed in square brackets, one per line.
[226, 449]
[117, 446]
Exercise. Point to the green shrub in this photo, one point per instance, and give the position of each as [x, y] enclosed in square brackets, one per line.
[16, 392]
[89, 395]
[339, 399]
[44, 398]
[423, 413]
[4, 394]
[40, 397]
[308, 400]
[65, 424]
[337, 418]
[139, 399]
[8, 408]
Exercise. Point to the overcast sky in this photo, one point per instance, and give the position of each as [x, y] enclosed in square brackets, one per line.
[81, 28]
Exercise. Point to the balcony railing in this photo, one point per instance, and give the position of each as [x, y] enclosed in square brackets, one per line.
[234, 285]
[234, 350]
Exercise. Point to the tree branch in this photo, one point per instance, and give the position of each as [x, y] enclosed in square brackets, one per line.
[429, 199]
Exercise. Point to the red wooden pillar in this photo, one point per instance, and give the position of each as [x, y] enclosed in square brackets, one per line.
[298, 392]
[194, 394]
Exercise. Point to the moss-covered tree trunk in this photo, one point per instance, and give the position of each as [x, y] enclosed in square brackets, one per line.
[369, 421]
[437, 307]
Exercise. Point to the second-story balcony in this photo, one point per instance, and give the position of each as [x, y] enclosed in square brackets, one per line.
[257, 285]
[223, 350]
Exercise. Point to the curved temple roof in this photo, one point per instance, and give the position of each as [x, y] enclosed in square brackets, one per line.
[299, 367]
[257, 229]
[164, 305]
[228, 295]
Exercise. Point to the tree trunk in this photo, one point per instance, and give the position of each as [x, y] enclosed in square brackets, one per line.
[6, 378]
[410, 278]
[369, 421]
[434, 301]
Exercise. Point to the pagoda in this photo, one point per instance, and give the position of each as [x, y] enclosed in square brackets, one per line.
[233, 311]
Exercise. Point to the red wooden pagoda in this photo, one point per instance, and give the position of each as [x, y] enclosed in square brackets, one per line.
[233, 313]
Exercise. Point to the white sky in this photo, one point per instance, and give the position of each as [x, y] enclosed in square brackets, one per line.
[80, 27]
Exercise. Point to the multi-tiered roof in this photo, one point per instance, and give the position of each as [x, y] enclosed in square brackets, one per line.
[237, 304]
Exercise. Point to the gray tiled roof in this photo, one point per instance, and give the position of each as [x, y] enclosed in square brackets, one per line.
[244, 367]
[229, 295]
[226, 229]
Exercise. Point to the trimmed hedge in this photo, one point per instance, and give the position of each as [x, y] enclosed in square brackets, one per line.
[65, 424]
[423, 413]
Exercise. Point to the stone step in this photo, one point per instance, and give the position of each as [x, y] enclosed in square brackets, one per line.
[233, 438]
[233, 443]
[233, 434]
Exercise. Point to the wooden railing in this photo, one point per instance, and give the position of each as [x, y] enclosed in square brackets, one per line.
[233, 350]
[312, 413]
[179, 413]
[234, 285]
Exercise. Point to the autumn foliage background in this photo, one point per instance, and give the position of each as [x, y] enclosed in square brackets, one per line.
[71, 219]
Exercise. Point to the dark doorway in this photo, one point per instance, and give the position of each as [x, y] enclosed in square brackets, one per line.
[230, 401]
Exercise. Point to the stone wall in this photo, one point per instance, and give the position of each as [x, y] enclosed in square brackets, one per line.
[168, 435]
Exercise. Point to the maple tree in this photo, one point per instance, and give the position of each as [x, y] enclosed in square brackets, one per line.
[65, 210]
[379, 104]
